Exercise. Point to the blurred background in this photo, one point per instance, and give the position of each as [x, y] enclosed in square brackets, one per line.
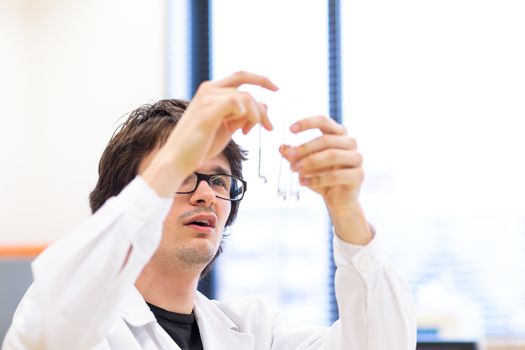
[433, 91]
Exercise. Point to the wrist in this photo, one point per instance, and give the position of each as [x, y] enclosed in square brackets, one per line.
[344, 206]
[165, 174]
[350, 223]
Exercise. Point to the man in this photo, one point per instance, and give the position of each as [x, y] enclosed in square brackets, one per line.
[127, 278]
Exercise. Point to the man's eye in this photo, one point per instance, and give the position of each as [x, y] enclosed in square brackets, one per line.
[218, 181]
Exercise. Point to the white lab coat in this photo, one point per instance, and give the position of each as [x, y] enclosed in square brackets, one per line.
[84, 297]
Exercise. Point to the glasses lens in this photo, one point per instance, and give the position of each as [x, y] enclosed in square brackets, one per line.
[221, 184]
[189, 184]
[237, 189]
[225, 186]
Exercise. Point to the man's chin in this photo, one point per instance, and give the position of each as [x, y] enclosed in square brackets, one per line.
[195, 255]
[202, 235]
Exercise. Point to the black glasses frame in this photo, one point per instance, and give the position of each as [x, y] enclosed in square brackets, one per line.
[207, 178]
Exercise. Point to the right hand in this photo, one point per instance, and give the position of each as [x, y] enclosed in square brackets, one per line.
[217, 110]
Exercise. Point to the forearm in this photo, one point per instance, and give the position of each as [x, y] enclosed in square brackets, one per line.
[164, 170]
[80, 279]
[350, 223]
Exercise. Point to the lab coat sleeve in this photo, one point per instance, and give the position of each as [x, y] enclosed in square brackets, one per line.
[80, 279]
[376, 310]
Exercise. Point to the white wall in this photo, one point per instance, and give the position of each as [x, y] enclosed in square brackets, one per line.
[68, 71]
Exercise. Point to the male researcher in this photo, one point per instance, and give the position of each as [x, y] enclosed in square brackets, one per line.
[170, 182]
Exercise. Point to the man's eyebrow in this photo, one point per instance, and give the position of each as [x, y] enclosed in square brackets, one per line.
[220, 170]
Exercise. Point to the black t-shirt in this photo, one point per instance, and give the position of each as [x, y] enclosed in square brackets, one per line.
[182, 328]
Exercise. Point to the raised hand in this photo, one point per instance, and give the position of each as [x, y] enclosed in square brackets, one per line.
[331, 165]
[217, 110]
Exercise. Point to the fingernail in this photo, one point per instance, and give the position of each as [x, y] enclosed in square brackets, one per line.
[294, 128]
[304, 182]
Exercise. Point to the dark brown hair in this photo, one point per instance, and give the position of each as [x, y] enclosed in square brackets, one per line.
[146, 128]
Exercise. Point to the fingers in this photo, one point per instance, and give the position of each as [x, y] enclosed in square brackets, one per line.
[323, 123]
[328, 159]
[352, 178]
[319, 144]
[240, 109]
[239, 78]
[265, 120]
[253, 114]
[237, 109]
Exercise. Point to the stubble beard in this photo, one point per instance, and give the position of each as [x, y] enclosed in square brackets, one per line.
[193, 257]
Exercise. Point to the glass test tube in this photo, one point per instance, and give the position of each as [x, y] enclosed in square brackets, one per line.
[287, 181]
[288, 185]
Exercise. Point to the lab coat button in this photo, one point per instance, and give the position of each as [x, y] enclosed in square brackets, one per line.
[366, 263]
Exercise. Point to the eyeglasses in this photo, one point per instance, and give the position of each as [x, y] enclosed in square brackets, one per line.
[225, 186]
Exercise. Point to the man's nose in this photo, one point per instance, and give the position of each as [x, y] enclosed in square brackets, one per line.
[203, 194]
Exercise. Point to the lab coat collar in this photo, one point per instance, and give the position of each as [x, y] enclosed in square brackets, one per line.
[217, 330]
[134, 309]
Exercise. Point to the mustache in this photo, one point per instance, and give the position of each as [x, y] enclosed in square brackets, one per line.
[196, 211]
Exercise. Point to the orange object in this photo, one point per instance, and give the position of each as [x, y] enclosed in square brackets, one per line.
[21, 251]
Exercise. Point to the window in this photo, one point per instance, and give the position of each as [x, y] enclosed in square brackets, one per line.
[277, 248]
[435, 94]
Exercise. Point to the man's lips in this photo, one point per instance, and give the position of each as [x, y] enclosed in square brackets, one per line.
[201, 229]
[202, 221]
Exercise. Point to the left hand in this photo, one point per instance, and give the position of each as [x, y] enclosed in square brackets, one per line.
[330, 164]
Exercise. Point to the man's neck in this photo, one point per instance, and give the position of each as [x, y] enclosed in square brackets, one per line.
[170, 290]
